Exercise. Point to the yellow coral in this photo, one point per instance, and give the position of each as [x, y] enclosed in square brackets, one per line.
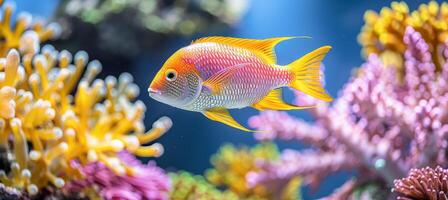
[383, 32]
[231, 165]
[10, 37]
[44, 125]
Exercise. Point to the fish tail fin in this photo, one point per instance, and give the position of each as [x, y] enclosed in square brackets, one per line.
[306, 71]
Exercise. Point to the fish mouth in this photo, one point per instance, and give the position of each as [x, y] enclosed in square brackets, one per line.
[154, 91]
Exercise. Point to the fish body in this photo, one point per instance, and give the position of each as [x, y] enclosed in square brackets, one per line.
[251, 80]
[218, 73]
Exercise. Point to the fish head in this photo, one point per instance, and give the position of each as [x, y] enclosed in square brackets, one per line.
[177, 83]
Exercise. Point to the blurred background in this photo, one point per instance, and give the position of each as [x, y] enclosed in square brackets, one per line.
[137, 36]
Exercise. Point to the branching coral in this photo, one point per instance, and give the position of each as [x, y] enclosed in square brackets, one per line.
[425, 183]
[186, 186]
[383, 32]
[231, 165]
[380, 126]
[44, 128]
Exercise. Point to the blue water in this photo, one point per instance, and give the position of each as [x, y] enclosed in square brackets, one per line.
[193, 138]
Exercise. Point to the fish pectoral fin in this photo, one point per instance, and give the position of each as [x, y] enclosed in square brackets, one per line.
[273, 101]
[222, 115]
[217, 81]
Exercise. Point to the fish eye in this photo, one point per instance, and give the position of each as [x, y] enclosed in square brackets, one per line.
[171, 75]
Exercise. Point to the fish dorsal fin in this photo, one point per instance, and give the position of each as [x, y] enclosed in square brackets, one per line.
[273, 101]
[263, 47]
[222, 115]
[217, 81]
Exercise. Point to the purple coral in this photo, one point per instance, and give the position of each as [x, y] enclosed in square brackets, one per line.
[148, 182]
[381, 125]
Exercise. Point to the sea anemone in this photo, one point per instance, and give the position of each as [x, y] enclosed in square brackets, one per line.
[424, 183]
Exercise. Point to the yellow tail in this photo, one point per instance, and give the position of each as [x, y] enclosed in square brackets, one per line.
[307, 74]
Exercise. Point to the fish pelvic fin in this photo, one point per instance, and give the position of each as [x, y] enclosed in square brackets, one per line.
[273, 101]
[222, 115]
[306, 72]
[264, 47]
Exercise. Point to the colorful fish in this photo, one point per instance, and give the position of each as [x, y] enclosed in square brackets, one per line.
[214, 74]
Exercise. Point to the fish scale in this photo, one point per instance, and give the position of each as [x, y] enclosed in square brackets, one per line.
[210, 58]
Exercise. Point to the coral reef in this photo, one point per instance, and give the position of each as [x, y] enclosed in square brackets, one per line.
[66, 135]
[231, 165]
[186, 186]
[425, 183]
[380, 126]
[184, 17]
[52, 115]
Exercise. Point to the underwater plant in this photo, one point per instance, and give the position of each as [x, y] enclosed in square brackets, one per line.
[53, 116]
[424, 183]
[380, 126]
[232, 164]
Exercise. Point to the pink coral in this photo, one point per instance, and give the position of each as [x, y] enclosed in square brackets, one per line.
[380, 125]
[146, 182]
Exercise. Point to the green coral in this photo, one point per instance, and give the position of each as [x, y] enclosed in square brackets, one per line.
[231, 165]
[186, 186]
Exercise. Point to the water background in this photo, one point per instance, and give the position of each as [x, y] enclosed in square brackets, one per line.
[193, 138]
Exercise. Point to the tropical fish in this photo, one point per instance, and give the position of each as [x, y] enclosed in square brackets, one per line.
[214, 74]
